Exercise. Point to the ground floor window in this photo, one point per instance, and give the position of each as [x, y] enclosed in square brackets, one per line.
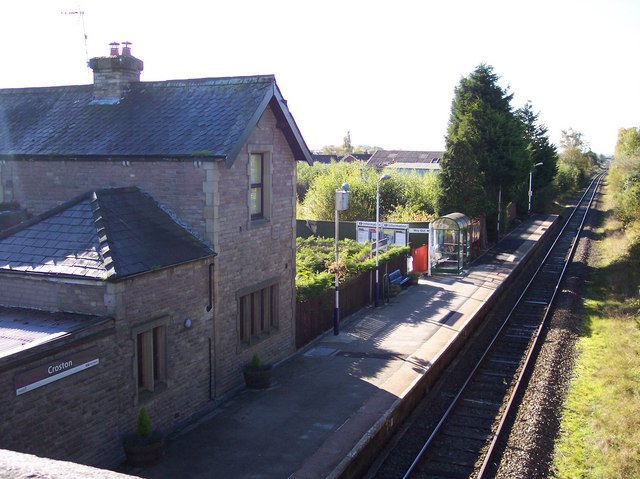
[151, 358]
[257, 313]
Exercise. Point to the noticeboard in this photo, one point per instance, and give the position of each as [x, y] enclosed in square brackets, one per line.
[394, 233]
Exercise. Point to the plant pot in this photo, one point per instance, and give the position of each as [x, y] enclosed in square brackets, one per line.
[257, 378]
[143, 452]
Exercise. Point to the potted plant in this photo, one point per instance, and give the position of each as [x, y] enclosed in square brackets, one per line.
[257, 375]
[145, 447]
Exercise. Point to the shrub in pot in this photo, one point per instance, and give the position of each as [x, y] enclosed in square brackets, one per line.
[145, 447]
[257, 375]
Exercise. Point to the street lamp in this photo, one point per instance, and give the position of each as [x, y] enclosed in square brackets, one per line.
[530, 182]
[377, 287]
[342, 203]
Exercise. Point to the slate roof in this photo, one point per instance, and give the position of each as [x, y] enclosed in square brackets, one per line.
[210, 117]
[384, 158]
[106, 235]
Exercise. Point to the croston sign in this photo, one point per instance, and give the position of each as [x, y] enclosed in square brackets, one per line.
[57, 369]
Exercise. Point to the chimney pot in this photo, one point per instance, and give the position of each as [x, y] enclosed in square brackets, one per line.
[114, 49]
[114, 75]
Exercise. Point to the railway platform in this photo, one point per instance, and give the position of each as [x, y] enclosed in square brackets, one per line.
[334, 403]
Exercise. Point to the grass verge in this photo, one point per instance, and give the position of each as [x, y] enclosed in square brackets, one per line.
[600, 429]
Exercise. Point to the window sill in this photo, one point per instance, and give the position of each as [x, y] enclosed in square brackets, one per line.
[247, 344]
[145, 395]
[259, 222]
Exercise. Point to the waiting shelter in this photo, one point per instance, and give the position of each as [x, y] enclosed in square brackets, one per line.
[449, 243]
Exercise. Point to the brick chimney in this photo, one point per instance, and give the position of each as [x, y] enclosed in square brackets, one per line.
[113, 75]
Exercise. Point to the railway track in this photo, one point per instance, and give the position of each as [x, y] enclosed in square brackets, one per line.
[462, 443]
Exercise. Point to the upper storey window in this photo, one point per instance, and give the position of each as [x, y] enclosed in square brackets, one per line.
[256, 180]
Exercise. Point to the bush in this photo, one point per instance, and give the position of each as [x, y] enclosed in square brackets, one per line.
[403, 192]
[315, 263]
[627, 207]
[144, 426]
[568, 178]
[305, 175]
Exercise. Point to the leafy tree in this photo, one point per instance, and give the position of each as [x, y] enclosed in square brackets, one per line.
[539, 150]
[576, 157]
[346, 143]
[319, 203]
[485, 156]
[572, 139]
[625, 176]
[627, 150]
[305, 175]
[347, 147]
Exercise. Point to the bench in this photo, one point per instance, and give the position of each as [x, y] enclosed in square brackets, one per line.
[396, 277]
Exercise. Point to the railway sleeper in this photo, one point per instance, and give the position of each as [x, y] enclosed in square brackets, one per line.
[457, 451]
[474, 433]
[470, 420]
[444, 470]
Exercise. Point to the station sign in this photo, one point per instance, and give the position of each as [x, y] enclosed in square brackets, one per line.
[55, 370]
[393, 233]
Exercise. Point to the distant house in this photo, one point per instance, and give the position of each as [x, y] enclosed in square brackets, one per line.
[421, 162]
[158, 259]
[349, 158]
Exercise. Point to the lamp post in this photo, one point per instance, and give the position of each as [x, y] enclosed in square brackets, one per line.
[530, 183]
[342, 203]
[377, 287]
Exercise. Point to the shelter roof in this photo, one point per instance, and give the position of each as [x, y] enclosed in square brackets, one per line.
[455, 221]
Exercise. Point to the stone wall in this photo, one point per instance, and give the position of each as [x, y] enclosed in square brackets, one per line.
[52, 294]
[41, 184]
[171, 295]
[251, 253]
[14, 464]
[75, 418]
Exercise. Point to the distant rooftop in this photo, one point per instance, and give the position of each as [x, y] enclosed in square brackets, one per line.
[385, 158]
[327, 158]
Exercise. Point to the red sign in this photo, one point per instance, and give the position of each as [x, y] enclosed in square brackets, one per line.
[54, 370]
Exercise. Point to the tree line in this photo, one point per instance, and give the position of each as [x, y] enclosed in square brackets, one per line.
[492, 150]
[624, 178]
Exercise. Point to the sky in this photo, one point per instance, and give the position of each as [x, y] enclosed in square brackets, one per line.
[384, 71]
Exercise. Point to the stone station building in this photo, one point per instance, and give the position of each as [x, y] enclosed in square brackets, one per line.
[158, 259]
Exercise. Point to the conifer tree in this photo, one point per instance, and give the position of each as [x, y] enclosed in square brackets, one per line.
[485, 157]
[539, 150]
